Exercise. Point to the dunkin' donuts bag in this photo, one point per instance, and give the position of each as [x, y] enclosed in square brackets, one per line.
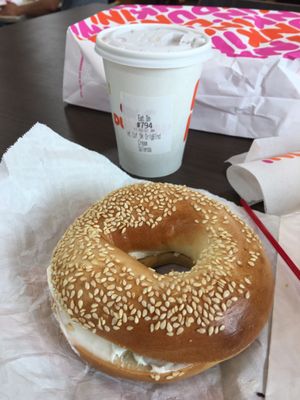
[250, 87]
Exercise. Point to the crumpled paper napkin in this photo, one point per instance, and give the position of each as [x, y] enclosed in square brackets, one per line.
[45, 183]
[270, 171]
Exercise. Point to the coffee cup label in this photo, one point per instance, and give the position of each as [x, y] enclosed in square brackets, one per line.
[147, 123]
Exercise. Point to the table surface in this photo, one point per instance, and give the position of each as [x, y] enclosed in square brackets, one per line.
[31, 75]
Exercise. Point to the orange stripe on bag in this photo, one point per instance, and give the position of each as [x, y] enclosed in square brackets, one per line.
[194, 95]
[187, 128]
[191, 110]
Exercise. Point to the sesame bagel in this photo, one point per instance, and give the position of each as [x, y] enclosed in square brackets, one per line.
[106, 290]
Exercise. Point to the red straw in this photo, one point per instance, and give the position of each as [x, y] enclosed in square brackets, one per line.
[271, 238]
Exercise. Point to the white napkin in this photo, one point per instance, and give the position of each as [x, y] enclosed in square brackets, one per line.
[45, 182]
[270, 171]
[284, 359]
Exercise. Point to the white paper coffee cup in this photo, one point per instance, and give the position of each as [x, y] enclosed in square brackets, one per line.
[152, 86]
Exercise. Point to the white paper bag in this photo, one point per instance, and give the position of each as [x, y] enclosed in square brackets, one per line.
[250, 87]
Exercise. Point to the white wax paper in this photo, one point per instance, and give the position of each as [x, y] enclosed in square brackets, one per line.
[256, 177]
[284, 360]
[45, 182]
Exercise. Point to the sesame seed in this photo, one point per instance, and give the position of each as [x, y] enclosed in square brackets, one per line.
[210, 330]
[169, 377]
[189, 309]
[156, 377]
[163, 324]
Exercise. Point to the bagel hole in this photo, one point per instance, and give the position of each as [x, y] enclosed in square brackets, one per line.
[165, 263]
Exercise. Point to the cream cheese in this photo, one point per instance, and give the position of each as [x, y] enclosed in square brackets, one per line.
[142, 254]
[100, 347]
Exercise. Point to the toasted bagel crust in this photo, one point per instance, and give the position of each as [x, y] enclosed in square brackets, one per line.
[201, 316]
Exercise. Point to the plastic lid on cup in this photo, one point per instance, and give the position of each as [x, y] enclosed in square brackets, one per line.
[153, 45]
